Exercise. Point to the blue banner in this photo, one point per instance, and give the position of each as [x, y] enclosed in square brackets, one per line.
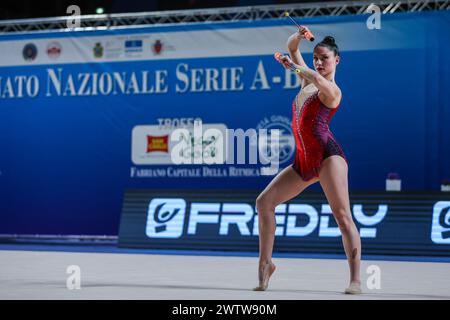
[403, 223]
[85, 115]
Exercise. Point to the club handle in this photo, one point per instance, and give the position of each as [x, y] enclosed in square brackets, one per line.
[309, 36]
[290, 65]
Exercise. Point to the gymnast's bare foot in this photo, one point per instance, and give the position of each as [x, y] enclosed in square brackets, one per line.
[354, 288]
[264, 273]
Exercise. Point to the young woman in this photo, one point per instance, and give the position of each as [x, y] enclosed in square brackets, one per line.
[318, 158]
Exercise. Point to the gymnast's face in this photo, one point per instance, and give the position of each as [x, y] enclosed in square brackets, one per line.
[325, 61]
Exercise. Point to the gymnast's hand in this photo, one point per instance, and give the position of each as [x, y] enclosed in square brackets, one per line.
[287, 62]
[303, 33]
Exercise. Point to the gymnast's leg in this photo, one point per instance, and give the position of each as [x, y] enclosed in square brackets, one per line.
[333, 179]
[286, 185]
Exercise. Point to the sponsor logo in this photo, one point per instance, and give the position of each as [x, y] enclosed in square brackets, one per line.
[133, 45]
[157, 47]
[54, 50]
[30, 52]
[157, 144]
[293, 220]
[166, 218]
[133, 48]
[151, 145]
[98, 50]
[286, 142]
[440, 227]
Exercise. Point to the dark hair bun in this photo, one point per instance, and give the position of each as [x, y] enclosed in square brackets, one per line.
[329, 40]
[330, 43]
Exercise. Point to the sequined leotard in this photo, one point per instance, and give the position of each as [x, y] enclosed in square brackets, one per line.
[313, 138]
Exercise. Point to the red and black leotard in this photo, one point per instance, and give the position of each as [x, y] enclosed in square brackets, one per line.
[313, 138]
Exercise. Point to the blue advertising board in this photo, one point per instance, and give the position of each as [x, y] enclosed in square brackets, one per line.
[86, 115]
[405, 223]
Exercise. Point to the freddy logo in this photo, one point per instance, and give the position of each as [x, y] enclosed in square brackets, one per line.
[440, 228]
[165, 218]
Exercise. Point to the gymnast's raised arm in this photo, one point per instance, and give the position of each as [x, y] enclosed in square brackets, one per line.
[293, 44]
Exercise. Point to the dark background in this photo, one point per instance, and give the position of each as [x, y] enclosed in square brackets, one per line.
[22, 9]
